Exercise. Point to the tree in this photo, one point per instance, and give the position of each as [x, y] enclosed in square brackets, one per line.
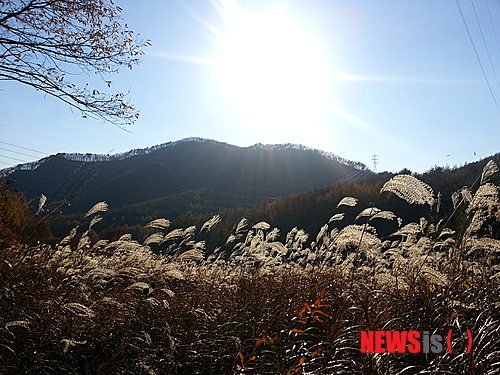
[42, 42]
[18, 225]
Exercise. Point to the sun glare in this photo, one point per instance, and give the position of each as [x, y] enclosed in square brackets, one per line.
[271, 70]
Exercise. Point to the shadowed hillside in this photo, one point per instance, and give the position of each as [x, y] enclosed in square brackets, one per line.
[193, 174]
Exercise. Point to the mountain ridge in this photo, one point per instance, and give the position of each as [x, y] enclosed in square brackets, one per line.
[190, 174]
[91, 157]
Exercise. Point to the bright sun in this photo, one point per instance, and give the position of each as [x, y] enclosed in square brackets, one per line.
[271, 70]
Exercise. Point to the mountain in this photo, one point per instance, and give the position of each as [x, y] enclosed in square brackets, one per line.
[193, 174]
[311, 210]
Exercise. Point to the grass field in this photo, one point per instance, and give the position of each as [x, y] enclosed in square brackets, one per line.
[257, 305]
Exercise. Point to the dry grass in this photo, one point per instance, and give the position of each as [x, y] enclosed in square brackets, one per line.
[261, 307]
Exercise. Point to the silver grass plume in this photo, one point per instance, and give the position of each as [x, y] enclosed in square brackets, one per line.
[362, 237]
[410, 189]
[41, 203]
[239, 232]
[83, 243]
[322, 232]
[387, 215]
[187, 234]
[193, 254]
[486, 198]
[296, 238]
[158, 224]
[464, 194]
[200, 245]
[127, 245]
[368, 212]
[487, 248]
[230, 239]
[409, 233]
[95, 220]
[489, 169]
[154, 238]
[98, 207]
[408, 230]
[138, 286]
[262, 226]
[273, 235]
[348, 201]
[423, 224]
[485, 205]
[277, 248]
[241, 226]
[210, 224]
[290, 236]
[300, 238]
[434, 276]
[455, 199]
[337, 217]
[66, 240]
[176, 233]
[18, 323]
[446, 232]
[125, 237]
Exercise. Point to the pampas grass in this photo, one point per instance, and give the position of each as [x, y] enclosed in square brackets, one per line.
[348, 201]
[98, 207]
[410, 189]
[257, 305]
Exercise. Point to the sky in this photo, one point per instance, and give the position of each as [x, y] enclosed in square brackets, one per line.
[412, 82]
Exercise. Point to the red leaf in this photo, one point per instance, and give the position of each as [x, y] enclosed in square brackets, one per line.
[317, 353]
[308, 308]
[302, 311]
[322, 313]
[318, 319]
[258, 344]
[264, 337]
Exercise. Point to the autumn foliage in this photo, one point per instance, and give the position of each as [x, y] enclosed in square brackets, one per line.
[18, 224]
[256, 304]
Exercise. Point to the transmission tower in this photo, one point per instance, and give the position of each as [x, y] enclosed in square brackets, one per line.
[375, 162]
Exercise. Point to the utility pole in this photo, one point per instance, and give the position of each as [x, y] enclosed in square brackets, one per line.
[375, 162]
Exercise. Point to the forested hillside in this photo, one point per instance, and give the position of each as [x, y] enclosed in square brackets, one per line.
[312, 209]
[193, 174]
[190, 180]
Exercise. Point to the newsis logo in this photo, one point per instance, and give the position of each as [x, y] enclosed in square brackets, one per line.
[408, 342]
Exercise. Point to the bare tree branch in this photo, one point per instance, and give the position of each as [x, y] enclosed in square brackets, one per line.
[44, 41]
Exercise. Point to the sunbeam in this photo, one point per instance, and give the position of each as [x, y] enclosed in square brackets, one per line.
[271, 70]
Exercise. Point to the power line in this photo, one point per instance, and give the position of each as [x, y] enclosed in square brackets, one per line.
[39, 135]
[8, 157]
[484, 41]
[477, 54]
[492, 26]
[17, 152]
[24, 148]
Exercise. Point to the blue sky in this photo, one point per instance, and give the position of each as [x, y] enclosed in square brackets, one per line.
[399, 79]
